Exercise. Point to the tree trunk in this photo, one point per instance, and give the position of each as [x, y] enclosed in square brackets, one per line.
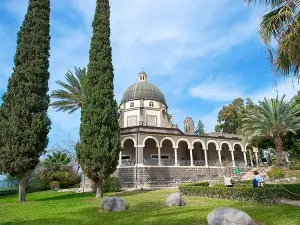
[278, 147]
[22, 188]
[99, 189]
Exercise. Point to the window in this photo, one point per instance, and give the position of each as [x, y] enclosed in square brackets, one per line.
[151, 104]
[131, 104]
[131, 121]
[151, 120]
[162, 156]
[126, 156]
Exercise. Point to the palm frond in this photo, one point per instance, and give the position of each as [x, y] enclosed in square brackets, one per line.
[70, 97]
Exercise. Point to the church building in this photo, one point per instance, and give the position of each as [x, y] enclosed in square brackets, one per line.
[156, 152]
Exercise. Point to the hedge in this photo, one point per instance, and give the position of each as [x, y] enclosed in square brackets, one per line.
[267, 194]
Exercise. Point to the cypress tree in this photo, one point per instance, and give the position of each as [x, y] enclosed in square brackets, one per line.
[99, 145]
[24, 124]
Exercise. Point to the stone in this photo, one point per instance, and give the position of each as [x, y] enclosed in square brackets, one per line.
[228, 216]
[175, 199]
[294, 179]
[116, 204]
[288, 179]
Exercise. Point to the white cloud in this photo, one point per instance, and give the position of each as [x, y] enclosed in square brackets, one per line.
[217, 89]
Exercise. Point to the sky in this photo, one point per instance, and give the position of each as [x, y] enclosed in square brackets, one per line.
[201, 54]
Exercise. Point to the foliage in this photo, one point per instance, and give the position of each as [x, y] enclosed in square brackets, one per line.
[295, 165]
[282, 23]
[57, 167]
[54, 185]
[274, 119]
[267, 194]
[70, 97]
[276, 173]
[199, 129]
[24, 124]
[230, 116]
[99, 145]
[112, 184]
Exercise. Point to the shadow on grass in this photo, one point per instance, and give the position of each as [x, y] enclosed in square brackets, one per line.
[67, 196]
[129, 193]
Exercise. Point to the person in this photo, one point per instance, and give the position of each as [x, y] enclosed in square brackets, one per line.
[228, 181]
[257, 180]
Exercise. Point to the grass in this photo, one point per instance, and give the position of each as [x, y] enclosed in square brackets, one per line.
[144, 207]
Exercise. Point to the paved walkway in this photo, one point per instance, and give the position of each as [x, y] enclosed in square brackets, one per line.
[290, 202]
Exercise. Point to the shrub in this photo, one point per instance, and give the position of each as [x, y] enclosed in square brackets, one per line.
[268, 194]
[112, 184]
[54, 185]
[276, 173]
[77, 185]
[295, 165]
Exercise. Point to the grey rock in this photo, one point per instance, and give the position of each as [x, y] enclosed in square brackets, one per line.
[110, 204]
[175, 199]
[288, 179]
[294, 179]
[229, 216]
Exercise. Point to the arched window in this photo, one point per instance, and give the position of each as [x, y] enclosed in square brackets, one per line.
[151, 104]
[131, 104]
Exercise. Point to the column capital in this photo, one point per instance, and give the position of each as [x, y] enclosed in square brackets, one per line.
[219, 149]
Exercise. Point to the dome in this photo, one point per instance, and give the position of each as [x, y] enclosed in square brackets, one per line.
[143, 90]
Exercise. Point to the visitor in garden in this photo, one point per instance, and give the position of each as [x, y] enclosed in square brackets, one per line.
[228, 181]
[257, 180]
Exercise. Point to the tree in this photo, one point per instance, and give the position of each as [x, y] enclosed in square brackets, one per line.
[199, 129]
[24, 124]
[282, 23]
[99, 146]
[70, 97]
[229, 117]
[274, 119]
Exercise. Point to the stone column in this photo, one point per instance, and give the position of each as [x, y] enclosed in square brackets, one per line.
[159, 159]
[245, 158]
[251, 158]
[205, 156]
[175, 156]
[191, 157]
[220, 159]
[120, 159]
[232, 158]
[140, 156]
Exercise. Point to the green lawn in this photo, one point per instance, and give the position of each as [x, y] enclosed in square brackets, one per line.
[143, 208]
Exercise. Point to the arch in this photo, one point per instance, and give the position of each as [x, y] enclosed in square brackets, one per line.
[225, 142]
[198, 140]
[151, 137]
[238, 143]
[212, 141]
[183, 139]
[168, 138]
[127, 138]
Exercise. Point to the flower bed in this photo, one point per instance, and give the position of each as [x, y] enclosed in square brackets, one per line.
[270, 193]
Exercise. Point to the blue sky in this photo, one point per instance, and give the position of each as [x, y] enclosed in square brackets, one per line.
[202, 54]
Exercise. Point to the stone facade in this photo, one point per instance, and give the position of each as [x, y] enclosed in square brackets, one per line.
[156, 152]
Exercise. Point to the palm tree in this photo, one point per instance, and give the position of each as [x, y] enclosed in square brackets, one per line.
[282, 23]
[274, 119]
[56, 166]
[70, 98]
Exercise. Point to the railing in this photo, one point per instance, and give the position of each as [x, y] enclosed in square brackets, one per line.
[128, 162]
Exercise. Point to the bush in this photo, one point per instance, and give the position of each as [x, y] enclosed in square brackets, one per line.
[54, 185]
[268, 194]
[112, 184]
[295, 165]
[276, 173]
[8, 192]
[77, 185]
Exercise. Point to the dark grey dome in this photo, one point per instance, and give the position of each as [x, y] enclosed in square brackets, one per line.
[143, 90]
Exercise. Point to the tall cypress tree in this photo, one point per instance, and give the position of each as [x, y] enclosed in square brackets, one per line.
[24, 124]
[99, 144]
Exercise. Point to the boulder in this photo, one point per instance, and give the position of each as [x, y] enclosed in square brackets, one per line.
[175, 200]
[228, 216]
[110, 204]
